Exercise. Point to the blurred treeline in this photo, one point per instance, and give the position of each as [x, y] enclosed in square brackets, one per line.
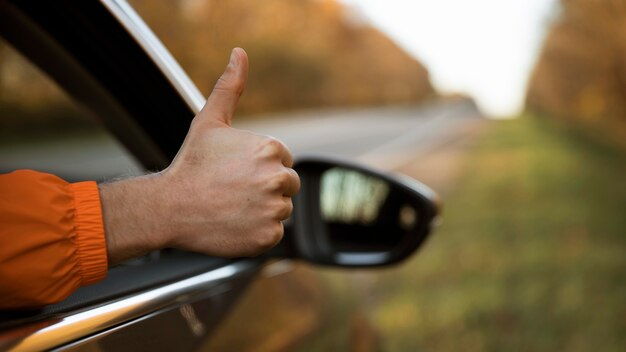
[581, 72]
[303, 53]
[31, 105]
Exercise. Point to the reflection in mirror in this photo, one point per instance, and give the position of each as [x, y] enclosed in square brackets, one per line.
[350, 197]
[363, 213]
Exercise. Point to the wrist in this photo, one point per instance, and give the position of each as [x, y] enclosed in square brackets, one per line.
[134, 216]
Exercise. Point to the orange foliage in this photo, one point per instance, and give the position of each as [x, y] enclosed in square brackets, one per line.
[581, 73]
[303, 53]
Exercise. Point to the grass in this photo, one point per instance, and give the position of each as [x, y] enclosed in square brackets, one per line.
[531, 255]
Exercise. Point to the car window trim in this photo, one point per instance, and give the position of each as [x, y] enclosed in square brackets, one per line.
[138, 29]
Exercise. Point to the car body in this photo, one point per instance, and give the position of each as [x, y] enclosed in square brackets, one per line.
[104, 56]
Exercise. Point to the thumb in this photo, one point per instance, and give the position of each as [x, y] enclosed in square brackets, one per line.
[222, 102]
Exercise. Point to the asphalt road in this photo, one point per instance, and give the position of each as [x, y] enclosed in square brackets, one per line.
[382, 137]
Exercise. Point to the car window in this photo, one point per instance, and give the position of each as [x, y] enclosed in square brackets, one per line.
[41, 128]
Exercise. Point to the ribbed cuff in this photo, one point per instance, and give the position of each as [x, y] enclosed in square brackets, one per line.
[92, 254]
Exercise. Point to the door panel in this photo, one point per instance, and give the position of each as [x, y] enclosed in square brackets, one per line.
[183, 327]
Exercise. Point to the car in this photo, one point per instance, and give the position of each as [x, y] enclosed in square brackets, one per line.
[107, 59]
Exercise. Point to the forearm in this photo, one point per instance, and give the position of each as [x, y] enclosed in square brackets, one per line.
[135, 217]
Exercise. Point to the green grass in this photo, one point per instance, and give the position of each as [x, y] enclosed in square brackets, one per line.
[531, 255]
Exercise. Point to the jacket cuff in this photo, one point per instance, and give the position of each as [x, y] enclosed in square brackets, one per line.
[90, 240]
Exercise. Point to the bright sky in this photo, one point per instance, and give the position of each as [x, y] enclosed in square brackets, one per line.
[485, 48]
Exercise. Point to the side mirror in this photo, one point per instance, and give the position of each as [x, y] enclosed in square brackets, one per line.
[351, 215]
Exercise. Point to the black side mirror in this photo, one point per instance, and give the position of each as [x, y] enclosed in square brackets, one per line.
[351, 215]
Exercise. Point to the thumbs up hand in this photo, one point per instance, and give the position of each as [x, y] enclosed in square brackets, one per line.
[225, 193]
[230, 188]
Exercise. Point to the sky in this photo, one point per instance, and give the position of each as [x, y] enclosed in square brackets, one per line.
[484, 48]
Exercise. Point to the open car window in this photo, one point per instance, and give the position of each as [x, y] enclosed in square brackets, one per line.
[43, 129]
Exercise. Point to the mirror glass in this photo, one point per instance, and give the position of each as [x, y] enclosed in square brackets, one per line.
[363, 213]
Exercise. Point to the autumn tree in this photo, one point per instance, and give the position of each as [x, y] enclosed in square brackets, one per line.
[303, 53]
[581, 72]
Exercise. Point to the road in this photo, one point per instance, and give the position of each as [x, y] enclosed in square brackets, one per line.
[382, 137]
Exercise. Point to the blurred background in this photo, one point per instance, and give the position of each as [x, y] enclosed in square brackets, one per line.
[513, 111]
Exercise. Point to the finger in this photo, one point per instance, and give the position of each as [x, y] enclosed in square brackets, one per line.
[223, 100]
[275, 148]
[286, 157]
[285, 210]
[293, 185]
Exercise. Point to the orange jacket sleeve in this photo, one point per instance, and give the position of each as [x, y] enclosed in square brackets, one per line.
[51, 238]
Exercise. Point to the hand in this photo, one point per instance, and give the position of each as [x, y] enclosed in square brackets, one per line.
[225, 194]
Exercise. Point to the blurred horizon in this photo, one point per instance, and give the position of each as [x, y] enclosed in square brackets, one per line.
[485, 49]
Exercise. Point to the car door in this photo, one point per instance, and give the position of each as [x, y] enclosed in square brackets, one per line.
[104, 57]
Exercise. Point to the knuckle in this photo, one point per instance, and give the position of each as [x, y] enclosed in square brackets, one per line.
[288, 157]
[280, 180]
[222, 84]
[284, 178]
[273, 145]
[283, 210]
[288, 208]
[296, 179]
[230, 83]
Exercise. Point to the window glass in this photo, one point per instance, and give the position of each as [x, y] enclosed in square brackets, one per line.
[41, 128]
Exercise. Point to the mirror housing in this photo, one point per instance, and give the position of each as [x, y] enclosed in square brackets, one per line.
[353, 216]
